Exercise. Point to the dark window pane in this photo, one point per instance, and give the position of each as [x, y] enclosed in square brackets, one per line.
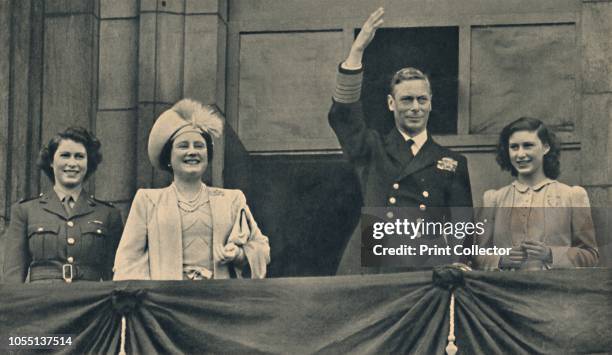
[308, 206]
[433, 50]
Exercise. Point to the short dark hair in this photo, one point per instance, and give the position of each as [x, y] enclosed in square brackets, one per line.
[164, 157]
[408, 73]
[77, 134]
[552, 166]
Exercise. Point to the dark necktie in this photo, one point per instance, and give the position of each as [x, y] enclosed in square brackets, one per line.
[408, 154]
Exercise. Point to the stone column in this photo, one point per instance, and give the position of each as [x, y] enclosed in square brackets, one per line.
[596, 45]
[117, 100]
[21, 24]
[181, 54]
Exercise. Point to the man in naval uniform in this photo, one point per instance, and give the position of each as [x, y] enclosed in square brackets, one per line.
[404, 169]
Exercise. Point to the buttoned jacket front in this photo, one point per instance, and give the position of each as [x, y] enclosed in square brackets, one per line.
[564, 223]
[424, 184]
[43, 235]
[379, 162]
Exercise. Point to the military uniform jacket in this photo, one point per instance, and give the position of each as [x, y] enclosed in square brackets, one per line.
[422, 183]
[435, 180]
[42, 237]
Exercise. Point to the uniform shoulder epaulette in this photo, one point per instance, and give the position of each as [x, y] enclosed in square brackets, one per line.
[26, 199]
[107, 203]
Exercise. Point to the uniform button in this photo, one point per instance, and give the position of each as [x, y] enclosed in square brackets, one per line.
[70, 224]
[426, 194]
[99, 231]
[71, 241]
[422, 207]
[389, 214]
[392, 200]
[70, 259]
[40, 229]
[396, 186]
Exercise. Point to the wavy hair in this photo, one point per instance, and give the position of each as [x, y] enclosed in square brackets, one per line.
[551, 165]
[77, 134]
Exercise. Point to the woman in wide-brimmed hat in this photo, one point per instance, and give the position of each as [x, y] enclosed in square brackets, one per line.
[189, 231]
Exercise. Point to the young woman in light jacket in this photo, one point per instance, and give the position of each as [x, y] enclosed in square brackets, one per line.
[547, 224]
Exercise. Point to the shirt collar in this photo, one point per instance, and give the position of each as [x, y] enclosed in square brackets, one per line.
[523, 188]
[419, 140]
[62, 193]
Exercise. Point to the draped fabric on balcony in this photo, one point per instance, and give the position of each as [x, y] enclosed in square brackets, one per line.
[563, 311]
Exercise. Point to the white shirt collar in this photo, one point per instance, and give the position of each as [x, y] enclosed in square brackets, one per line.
[419, 140]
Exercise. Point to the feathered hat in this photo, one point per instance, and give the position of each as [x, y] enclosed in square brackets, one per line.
[185, 116]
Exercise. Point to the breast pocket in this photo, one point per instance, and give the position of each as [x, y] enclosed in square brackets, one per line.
[93, 242]
[44, 241]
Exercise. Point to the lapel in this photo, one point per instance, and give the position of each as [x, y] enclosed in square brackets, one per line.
[169, 236]
[84, 205]
[51, 203]
[428, 155]
[221, 212]
[394, 143]
[218, 210]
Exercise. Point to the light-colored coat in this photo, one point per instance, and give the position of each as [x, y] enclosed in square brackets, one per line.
[151, 247]
[566, 226]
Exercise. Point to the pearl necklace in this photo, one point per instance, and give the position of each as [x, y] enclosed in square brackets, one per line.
[190, 205]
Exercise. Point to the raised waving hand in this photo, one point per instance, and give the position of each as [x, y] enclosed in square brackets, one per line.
[364, 38]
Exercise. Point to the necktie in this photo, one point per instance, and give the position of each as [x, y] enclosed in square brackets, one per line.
[68, 203]
[409, 144]
[408, 154]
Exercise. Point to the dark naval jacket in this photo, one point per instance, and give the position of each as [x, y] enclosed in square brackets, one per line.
[431, 183]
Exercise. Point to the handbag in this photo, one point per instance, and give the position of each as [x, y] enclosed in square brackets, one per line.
[241, 230]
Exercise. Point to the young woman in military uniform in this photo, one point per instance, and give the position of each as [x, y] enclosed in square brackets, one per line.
[64, 234]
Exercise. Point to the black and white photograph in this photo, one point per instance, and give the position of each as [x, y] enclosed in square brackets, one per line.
[306, 176]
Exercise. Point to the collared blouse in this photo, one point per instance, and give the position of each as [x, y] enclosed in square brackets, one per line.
[550, 212]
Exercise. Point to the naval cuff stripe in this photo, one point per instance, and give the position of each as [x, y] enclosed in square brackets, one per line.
[348, 85]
